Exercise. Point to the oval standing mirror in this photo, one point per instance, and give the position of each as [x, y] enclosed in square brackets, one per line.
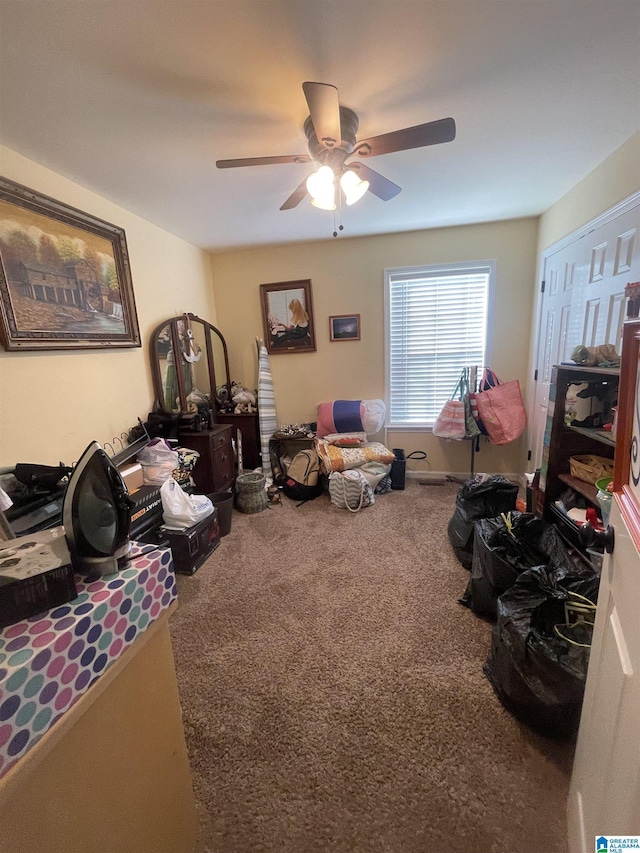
[164, 360]
[188, 359]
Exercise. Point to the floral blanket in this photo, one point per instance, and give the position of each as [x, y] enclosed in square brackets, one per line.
[334, 458]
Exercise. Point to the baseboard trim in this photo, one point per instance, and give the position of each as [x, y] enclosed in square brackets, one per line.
[437, 477]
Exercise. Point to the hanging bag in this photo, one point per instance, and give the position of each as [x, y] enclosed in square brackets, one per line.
[456, 419]
[350, 490]
[451, 422]
[501, 408]
[471, 426]
[473, 405]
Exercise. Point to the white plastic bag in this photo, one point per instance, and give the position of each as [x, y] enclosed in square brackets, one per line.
[158, 450]
[159, 461]
[181, 510]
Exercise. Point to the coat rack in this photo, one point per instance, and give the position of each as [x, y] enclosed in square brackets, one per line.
[475, 440]
[472, 377]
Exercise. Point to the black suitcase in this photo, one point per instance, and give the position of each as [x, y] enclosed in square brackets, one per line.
[192, 546]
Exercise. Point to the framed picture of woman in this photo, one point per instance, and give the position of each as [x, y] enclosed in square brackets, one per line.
[287, 316]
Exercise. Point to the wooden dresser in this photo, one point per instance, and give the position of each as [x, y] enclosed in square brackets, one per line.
[215, 469]
[249, 426]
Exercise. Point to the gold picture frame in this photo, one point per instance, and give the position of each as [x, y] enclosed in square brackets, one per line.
[65, 281]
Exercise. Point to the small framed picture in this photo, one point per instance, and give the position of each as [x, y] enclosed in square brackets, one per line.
[344, 327]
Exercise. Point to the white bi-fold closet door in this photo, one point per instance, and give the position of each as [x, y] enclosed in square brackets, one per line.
[583, 301]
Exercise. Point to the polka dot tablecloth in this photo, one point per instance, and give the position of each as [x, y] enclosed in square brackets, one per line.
[48, 661]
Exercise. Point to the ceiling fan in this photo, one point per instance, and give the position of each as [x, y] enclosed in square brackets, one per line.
[331, 135]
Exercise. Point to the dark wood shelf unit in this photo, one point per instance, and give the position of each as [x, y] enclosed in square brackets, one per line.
[585, 489]
[249, 426]
[562, 441]
[601, 435]
[574, 373]
[215, 469]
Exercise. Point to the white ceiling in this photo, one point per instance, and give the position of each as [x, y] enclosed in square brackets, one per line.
[137, 99]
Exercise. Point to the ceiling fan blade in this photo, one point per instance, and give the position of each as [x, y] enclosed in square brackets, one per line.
[378, 184]
[324, 109]
[296, 196]
[263, 161]
[431, 133]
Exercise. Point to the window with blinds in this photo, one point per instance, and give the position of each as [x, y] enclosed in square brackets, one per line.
[437, 321]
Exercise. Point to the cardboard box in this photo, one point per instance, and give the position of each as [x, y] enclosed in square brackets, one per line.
[132, 476]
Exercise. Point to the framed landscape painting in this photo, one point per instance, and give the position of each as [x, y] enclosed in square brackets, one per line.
[287, 316]
[65, 281]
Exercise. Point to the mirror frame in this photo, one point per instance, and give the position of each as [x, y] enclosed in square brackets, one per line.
[172, 322]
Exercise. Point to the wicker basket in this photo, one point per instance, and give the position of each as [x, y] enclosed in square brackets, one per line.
[251, 494]
[590, 468]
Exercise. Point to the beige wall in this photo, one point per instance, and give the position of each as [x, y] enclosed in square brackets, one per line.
[347, 277]
[609, 183]
[52, 404]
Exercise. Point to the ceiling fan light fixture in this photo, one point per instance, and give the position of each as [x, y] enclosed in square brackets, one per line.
[331, 131]
[322, 189]
[353, 187]
[327, 203]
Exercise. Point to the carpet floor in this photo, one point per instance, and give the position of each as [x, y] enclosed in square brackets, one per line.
[333, 695]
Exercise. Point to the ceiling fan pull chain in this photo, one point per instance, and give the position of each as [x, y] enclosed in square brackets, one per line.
[341, 226]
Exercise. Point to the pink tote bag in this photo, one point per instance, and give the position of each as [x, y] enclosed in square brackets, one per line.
[501, 409]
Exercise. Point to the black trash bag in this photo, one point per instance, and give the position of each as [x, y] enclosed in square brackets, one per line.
[461, 538]
[537, 675]
[476, 500]
[505, 547]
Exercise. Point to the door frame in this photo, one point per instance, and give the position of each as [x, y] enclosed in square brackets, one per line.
[627, 458]
[608, 724]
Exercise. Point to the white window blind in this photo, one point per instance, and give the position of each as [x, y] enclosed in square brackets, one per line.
[436, 322]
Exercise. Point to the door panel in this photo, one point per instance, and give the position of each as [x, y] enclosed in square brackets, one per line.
[611, 265]
[615, 317]
[604, 798]
[624, 251]
[562, 274]
[605, 786]
[591, 315]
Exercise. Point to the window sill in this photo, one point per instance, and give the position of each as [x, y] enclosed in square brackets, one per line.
[409, 428]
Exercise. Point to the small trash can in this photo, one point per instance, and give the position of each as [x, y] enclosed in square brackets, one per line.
[398, 469]
[223, 502]
[251, 493]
